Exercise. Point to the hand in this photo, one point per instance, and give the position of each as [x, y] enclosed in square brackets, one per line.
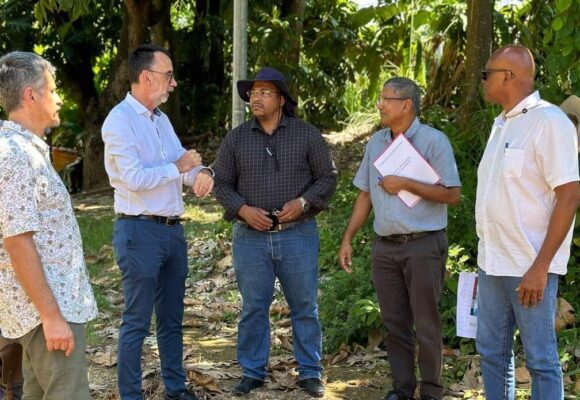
[290, 211]
[392, 184]
[345, 256]
[255, 217]
[531, 288]
[188, 161]
[203, 184]
[59, 335]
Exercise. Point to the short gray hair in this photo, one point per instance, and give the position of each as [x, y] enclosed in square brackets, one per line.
[407, 88]
[19, 70]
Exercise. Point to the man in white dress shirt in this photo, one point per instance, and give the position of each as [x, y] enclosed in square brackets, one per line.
[148, 167]
[527, 195]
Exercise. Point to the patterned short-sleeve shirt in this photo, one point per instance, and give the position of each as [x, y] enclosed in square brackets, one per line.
[34, 199]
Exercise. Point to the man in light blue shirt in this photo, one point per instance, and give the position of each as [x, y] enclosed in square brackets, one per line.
[148, 167]
[410, 251]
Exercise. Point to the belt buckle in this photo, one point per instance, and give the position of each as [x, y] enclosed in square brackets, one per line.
[171, 221]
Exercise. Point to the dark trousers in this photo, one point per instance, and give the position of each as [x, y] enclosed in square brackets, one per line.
[408, 278]
[153, 262]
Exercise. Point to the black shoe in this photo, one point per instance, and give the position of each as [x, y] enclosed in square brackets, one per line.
[397, 395]
[428, 397]
[247, 385]
[313, 386]
[182, 396]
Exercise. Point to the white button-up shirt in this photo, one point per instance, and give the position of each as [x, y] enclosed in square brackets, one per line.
[530, 152]
[140, 150]
[34, 199]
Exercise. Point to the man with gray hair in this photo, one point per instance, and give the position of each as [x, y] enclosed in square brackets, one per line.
[45, 295]
[410, 251]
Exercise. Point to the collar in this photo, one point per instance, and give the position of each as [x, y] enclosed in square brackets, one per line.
[25, 133]
[408, 134]
[140, 109]
[533, 100]
[255, 125]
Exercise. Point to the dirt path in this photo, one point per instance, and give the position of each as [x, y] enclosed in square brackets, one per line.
[212, 306]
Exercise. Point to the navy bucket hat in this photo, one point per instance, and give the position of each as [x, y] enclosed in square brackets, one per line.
[268, 74]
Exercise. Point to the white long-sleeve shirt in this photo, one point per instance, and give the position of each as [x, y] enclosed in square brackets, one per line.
[140, 150]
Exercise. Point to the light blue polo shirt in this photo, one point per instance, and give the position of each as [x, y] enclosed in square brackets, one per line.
[392, 216]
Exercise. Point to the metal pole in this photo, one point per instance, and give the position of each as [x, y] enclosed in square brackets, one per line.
[240, 58]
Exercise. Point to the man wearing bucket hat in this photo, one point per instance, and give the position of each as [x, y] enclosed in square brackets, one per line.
[274, 173]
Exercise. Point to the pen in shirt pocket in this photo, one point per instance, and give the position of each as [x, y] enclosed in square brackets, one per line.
[507, 145]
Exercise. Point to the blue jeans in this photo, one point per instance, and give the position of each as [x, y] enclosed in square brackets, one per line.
[153, 262]
[499, 313]
[292, 257]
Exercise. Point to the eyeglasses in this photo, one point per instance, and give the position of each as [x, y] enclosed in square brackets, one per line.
[384, 100]
[486, 72]
[169, 75]
[261, 93]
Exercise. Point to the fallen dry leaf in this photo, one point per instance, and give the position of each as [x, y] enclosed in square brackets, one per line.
[284, 341]
[108, 357]
[341, 356]
[203, 380]
[565, 314]
[224, 263]
[374, 340]
[523, 375]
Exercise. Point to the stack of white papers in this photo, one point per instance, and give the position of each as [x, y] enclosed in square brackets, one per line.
[402, 159]
[467, 297]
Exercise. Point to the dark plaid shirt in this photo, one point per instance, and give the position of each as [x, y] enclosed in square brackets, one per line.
[266, 171]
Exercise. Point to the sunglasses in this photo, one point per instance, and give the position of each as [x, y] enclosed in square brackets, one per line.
[486, 72]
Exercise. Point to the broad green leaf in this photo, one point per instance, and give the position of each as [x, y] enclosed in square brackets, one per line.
[548, 37]
[557, 24]
[567, 49]
[421, 18]
[563, 5]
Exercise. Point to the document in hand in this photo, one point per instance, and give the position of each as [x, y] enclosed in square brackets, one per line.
[402, 159]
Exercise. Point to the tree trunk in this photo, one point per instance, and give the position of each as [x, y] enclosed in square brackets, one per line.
[293, 10]
[162, 35]
[135, 31]
[478, 49]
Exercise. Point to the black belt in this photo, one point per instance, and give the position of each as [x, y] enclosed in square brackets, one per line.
[168, 221]
[277, 227]
[407, 237]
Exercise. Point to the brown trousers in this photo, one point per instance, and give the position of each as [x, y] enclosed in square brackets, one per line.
[408, 278]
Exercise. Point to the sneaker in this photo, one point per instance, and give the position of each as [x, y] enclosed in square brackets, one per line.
[186, 395]
[313, 386]
[246, 385]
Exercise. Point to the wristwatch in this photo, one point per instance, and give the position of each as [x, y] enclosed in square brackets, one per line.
[304, 204]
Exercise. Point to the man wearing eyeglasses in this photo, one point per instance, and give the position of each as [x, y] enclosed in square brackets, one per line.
[148, 167]
[410, 251]
[527, 195]
[274, 174]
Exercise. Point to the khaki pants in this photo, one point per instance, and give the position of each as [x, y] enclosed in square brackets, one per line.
[50, 375]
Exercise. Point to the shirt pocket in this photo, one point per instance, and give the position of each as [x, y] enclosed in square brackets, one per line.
[513, 163]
